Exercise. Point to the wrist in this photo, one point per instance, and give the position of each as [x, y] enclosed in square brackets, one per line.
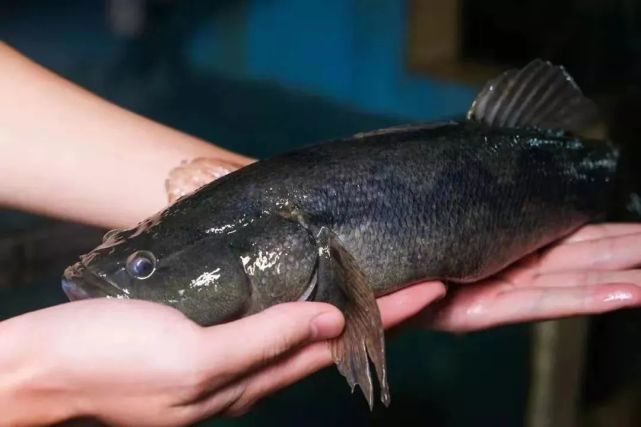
[30, 393]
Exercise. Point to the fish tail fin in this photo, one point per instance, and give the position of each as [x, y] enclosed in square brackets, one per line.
[626, 206]
[633, 207]
[624, 128]
[633, 200]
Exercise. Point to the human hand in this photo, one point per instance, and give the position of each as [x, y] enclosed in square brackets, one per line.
[130, 362]
[594, 270]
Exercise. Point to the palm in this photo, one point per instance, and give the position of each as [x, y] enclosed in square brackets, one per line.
[592, 271]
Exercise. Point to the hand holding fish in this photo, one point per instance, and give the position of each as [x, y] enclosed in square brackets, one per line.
[313, 225]
[144, 364]
[595, 270]
[183, 372]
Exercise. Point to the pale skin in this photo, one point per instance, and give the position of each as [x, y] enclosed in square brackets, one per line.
[71, 155]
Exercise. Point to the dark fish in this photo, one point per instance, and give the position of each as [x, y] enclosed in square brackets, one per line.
[350, 220]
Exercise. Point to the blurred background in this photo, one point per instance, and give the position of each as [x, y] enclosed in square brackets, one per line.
[264, 76]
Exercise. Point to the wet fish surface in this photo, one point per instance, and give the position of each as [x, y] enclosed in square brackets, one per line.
[349, 220]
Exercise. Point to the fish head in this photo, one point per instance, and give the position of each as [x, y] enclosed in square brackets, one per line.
[200, 276]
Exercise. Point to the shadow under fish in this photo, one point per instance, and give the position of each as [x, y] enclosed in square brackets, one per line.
[350, 220]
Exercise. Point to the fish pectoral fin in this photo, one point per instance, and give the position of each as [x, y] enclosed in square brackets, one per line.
[539, 95]
[341, 282]
[190, 176]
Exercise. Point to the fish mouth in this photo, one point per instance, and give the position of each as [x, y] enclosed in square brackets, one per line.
[80, 283]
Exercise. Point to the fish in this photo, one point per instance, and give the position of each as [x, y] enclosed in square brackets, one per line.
[352, 219]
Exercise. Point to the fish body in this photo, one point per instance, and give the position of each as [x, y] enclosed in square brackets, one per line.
[452, 201]
[350, 220]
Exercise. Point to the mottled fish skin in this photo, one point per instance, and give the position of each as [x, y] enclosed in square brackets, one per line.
[458, 201]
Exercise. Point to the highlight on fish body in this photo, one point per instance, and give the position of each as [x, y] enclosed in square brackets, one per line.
[350, 220]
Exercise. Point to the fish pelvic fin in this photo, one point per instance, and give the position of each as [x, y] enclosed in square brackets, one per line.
[539, 95]
[341, 282]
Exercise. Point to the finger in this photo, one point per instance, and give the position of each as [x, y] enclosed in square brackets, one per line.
[233, 349]
[395, 308]
[587, 278]
[238, 397]
[618, 252]
[532, 304]
[401, 305]
[188, 177]
[602, 231]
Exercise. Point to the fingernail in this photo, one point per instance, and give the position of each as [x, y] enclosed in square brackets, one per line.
[327, 325]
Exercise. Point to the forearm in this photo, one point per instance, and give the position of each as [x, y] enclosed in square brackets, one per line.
[27, 396]
[70, 154]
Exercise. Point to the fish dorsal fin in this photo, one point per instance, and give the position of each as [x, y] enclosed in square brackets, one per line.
[539, 95]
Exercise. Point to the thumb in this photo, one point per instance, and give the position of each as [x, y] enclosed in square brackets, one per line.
[256, 340]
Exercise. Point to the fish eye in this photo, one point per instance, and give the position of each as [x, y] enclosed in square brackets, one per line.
[141, 264]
